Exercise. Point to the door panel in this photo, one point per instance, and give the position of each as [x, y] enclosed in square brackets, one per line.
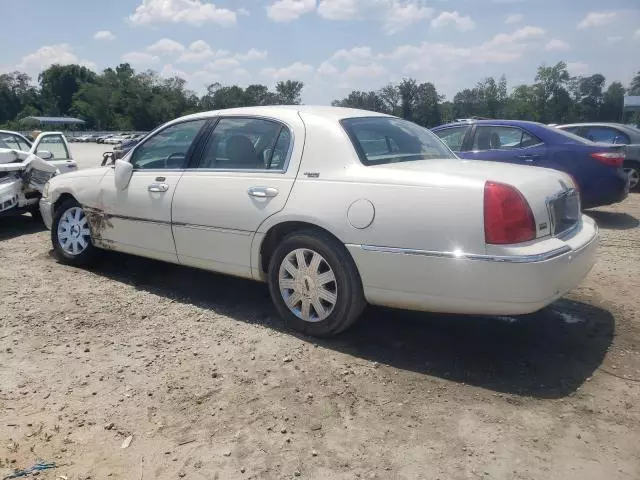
[137, 219]
[237, 184]
[56, 144]
[215, 217]
[506, 144]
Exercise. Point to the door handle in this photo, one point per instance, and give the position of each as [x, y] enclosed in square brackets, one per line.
[263, 192]
[158, 187]
[527, 158]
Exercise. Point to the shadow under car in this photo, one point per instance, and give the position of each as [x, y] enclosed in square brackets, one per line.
[548, 354]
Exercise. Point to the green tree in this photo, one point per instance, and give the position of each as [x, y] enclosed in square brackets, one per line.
[289, 92]
[613, 101]
[363, 100]
[553, 102]
[59, 83]
[634, 88]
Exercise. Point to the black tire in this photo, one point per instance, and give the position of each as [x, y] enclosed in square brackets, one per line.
[633, 165]
[87, 257]
[350, 297]
[35, 213]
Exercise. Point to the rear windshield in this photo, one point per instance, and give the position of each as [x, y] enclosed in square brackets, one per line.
[571, 136]
[380, 140]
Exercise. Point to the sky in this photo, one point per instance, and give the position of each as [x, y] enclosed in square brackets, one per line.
[333, 46]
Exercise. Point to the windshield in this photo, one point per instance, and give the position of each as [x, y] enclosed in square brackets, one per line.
[381, 140]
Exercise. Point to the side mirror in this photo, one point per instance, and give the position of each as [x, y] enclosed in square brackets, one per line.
[45, 154]
[123, 174]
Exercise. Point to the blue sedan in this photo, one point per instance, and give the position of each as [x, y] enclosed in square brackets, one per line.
[596, 168]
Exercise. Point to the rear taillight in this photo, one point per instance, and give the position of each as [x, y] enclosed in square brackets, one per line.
[507, 215]
[613, 159]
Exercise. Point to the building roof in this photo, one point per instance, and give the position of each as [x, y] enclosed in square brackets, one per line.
[52, 120]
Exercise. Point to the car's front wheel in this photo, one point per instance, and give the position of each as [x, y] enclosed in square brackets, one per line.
[71, 236]
[632, 169]
[315, 284]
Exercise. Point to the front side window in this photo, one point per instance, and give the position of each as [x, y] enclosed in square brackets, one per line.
[382, 140]
[454, 136]
[502, 138]
[607, 135]
[167, 148]
[55, 145]
[247, 144]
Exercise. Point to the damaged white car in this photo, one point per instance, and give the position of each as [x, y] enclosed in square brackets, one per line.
[25, 168]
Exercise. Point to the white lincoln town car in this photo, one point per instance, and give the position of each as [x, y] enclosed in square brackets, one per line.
[334, 208]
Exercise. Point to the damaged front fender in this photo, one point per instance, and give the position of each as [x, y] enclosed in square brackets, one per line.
[23, 176]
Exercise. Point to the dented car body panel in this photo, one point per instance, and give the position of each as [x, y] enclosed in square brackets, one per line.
[25, 170]
[22, 179]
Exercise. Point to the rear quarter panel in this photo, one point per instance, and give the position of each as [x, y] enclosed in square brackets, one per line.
[407, 214]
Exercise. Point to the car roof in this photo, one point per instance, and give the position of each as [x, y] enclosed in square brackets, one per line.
[506, 123]
[593, 124]
[276, 111]
[627, 129]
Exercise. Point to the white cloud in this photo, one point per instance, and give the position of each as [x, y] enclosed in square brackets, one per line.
[223, 64]
[169, 72]
[294, 71]
[198, 51]
[513, 18]
[446, 19]
[104, 35]
[139, 58]
[395, 15]
[505, 48]
[165, 46]
[193, 12]
[327, 69]
[288, 10]
[44, 57]
[253, 54]
[598, 19]
[240, 72]
[577, 68]
[435, 57]
[612, 40]
[356, 72]
[557, 45]
[401, 15]
[637, 34]
[339, 9]
[356, 54]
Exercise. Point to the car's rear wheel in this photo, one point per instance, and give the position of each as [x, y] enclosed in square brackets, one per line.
[632, 169]
[71, 235]
[314, 284]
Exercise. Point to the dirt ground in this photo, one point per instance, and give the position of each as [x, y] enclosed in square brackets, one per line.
[197, 368]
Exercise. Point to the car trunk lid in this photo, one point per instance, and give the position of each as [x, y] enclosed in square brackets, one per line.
[551, 194]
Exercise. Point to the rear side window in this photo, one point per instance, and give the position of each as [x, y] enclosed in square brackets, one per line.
[245, 143]
[607, 135]
[502, 138]
[453, 137]
[382, 140]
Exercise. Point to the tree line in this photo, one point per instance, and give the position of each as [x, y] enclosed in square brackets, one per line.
[122, 99]
[555, 97]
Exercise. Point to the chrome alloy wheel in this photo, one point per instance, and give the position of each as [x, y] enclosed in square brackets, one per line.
[73, 231]
[634, 177]
[308, 285]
